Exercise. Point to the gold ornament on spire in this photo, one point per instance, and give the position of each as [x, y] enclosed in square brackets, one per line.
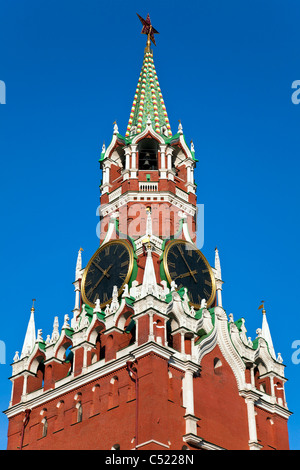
[262, 306]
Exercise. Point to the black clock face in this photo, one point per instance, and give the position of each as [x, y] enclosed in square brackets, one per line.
[110, 266]
[188, 267]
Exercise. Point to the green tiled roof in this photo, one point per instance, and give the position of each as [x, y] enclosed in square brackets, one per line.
[148, 100]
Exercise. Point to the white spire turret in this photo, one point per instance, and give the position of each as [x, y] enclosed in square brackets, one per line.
[55, 332]
[78, 265]
[218, 276]
[217, 264]
[116, 129]
[148, 223]
[180, 130]
[78, 276]
[149, 285]
[30, 336]
[114, 303]
[265, 332]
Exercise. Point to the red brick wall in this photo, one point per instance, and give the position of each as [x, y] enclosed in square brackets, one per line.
[222, 412]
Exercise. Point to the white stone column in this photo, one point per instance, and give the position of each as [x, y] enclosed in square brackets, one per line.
[86, 348]
[189, 393]
[127, 158]
[76, 310]
[169, 158]
[219, 292]
[188, 396]
[162, 169]
[253, 443]
[133, 168]
[133, 157]
[192, 175]
[272, 386]
[105, 179]
[162, 157]
[188, 174]
[107, 174]
[151, 335]
[182, 343]
[193, 349]
[252, 376]
[24, 390]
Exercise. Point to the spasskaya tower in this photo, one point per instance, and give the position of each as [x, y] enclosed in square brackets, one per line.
[149, 360]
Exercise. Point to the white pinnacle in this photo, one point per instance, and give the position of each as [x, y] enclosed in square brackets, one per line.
[30, 336]
[218, 265]
[149, 223]
[266, 334]
[78, 265]
[149, 285]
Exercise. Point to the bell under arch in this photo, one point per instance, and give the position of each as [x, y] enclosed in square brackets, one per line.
[148, 154]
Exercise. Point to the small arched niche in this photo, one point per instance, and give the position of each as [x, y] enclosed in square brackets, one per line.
[217, 366]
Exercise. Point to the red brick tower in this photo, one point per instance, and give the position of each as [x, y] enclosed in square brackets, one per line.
[150, 360]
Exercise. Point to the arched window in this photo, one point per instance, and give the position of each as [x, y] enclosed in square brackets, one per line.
[116, 447]
[59, 421]
[45, 427]
[44, 422]
[217, 366]
[113, 396]
[169, 334]
[170, 386]
[96, 401]
[79, 412]
[148, 149]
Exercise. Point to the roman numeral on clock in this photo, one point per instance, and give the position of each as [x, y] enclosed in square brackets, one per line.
[207, 294]
[89, 293]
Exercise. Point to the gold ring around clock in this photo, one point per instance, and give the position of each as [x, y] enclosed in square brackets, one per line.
[129, 249]
[177, 242]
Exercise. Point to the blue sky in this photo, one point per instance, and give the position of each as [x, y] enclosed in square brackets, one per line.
[226, 71]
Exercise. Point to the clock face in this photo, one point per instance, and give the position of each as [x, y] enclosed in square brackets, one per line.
[110, 266]
[188, 267]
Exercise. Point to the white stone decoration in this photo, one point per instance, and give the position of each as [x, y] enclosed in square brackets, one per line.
[30, 336]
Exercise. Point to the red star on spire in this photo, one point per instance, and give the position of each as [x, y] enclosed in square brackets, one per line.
[148, 28]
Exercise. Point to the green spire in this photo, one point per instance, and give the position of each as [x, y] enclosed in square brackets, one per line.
[148, 100]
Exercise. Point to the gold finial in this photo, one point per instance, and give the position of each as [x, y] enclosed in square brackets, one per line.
[81, 249]
[262, 306]
[33, 300]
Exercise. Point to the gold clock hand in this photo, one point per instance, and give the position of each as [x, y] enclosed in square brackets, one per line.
[190, 273]
[103, 270]
[180, 251]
